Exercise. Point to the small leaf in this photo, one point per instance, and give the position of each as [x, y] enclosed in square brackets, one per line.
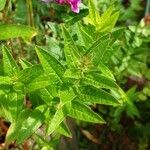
[15, 104]
[72, 74]
[4, 107]
[82, 112]
[64, 130]
[108, 20]
[98, 96]
[36, 85]
[84, 37]
[56, 121]
[24, 63]
[70, 49]
[46, 95]
[27, 75]
[105, 70]
[50, 64]
[10, 67]
[26, 125]
[66, 95]
[94, 16]
[98, 81]
[98, 45]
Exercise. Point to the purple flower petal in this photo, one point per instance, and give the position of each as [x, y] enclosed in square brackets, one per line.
[73, 3]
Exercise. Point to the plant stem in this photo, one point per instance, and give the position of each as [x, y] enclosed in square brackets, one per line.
[147, 8]
[30, 13]
[5, 11]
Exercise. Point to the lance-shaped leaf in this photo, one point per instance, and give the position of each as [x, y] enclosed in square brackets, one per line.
[66, 95]
[108, 20]
[34, 78]
[94, 16]
[23, 31]
[29, 74]
[24, 63]
[98, 96]
[72, 74]
[64, 130]
[99, 45]
[70, 49]
[84, 36]
[38, 83]
[4, 107]
[10, 67]
[105, 70]
[50, 64]
[46, 95]
[28, 122]
[79, 111]
[100, 51]
[56, 121]
[15, 104]
[98, 81]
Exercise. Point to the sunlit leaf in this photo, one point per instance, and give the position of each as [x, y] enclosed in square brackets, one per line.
[82, 112]
[18, 31]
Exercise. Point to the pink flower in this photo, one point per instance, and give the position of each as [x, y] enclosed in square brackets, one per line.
[73, 3]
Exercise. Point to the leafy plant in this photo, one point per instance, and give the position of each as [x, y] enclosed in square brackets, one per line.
[77, 66]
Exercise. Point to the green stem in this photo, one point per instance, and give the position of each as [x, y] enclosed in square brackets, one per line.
[147, 8]
[30, 13]
[5, 11]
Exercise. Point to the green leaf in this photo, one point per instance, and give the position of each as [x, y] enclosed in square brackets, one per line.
[105, 22]
[2, 4]
[34, 78]
[66, 95]
[75, 18]
[23, 31]
[94, 16]
[70, 49]
[4, 107]
[15, 104]
[98, 81]
[100, 51]
[105, 70]
[27, 75]
[11, 104]
[4, 80]
[108, 20]
[84, 38]
[28, 122]
[98, 96]
[10, 67]
[72, 74]
[64, 130]
[36, 85]
[24, 63]
[46, 95]
[99, 45]
[56, 121]
[50, 64]
[82, 112]
[117, 32]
